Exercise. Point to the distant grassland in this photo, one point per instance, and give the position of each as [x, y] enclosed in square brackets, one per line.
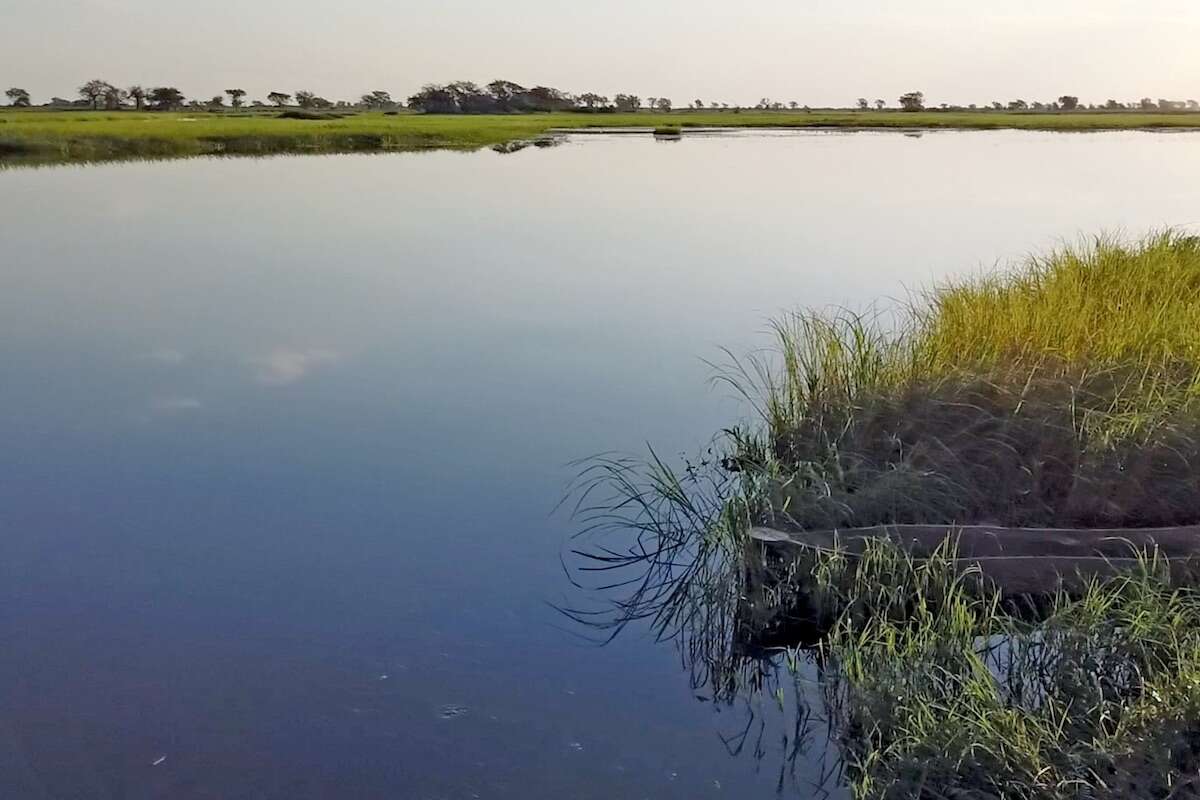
[49, 136]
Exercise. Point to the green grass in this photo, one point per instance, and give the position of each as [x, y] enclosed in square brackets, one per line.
[1062, 393]
[80, 136]
[936, 692]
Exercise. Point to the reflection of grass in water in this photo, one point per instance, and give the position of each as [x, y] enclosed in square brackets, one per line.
[1062, 394]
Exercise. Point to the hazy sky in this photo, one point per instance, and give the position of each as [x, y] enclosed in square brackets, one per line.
[818, 52]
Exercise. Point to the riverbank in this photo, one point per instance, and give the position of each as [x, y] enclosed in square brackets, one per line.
[46, 136]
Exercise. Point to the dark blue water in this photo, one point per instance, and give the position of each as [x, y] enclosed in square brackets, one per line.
[280, 440]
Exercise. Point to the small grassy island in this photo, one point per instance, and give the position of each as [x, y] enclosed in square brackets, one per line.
[1064, 394]
[55, 136]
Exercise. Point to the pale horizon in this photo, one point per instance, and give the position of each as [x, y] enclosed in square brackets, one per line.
[708, 50]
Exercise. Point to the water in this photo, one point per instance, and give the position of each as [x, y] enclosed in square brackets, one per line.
[282, 439]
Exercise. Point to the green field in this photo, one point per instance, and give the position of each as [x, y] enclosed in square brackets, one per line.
[49, 136]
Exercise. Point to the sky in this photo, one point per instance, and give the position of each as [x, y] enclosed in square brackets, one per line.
[816, 52]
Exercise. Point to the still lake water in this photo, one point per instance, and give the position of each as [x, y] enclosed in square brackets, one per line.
[281, 438]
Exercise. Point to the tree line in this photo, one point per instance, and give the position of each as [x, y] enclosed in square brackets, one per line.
[502, 96]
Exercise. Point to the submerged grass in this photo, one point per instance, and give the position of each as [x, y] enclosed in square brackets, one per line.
[48, 136]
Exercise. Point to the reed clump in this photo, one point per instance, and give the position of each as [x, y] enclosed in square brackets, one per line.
[1063, 393]
[937, 692]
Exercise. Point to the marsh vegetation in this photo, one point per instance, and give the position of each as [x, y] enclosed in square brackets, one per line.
[1061, 393]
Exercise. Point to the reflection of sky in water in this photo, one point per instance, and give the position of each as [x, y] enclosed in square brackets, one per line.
[275, 429]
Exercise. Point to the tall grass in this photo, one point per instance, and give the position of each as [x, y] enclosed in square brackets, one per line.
[1062, 393]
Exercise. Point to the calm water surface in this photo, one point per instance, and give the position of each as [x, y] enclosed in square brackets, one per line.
[281, 439]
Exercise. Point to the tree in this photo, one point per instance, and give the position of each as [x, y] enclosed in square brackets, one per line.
[18, 97]
[218, 101]
[114, 98]
[305, 99]
[1068, 102]
[1113, 105]
[280, 99]
[591, 99]
[793, 105]
[699, 104]
[880, 104]
[1147, 104]
[663, 104]
[1193, 105]
[1017, 105]
[378, 100]
[165, 98]
[863, 104]
[138, 95]
[651, 103]
[912, 101]
[235, 97]
[93, 90]
[627, 102]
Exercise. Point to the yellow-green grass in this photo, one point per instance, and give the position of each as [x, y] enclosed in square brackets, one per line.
[1062, 393]
[66, 136]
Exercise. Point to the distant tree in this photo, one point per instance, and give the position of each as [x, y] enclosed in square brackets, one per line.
[114, 98]
[138, 95]
[547, 98]
[1192, 105]
[724, 105]
[627, 102]
[698, 103]
[92, 91]
[1114, 105]
[997, 105]
[165, 98]
[377, 100]
[305, 99]
[1147, 104]
[19, 98]
[591, 99]
[1170, 105]
[651, 103]
[663, 104]
[912, 101]
[1017, 105]
[714, 105]
[280, 99]
[1038, 106]
[218, 101]
[235, 97]
[793, 105]
[880, 104]
[863, 104]
[509, 96]
[1068, 102]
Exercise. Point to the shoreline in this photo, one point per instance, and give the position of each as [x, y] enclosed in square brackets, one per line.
[41, 137]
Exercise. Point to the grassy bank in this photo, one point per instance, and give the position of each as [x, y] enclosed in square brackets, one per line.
[1061, 394]
[81, 136]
